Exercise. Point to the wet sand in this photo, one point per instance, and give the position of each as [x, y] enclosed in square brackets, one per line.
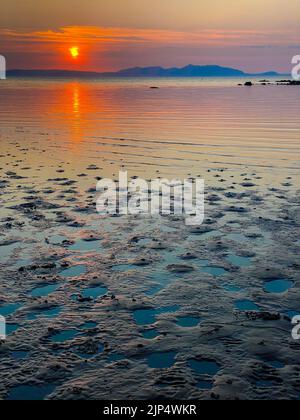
[141, 307]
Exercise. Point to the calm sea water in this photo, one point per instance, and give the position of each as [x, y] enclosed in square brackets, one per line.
[187, 125]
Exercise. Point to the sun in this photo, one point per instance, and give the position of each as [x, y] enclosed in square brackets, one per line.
[74, 51]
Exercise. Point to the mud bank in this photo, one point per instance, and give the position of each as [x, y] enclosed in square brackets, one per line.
[141, 307]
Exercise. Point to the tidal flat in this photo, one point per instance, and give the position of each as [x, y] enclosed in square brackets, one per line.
[141, 307]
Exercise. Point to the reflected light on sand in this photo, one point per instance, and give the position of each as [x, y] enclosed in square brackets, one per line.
[77, 105]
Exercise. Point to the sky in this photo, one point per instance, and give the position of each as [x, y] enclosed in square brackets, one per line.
[252, 35]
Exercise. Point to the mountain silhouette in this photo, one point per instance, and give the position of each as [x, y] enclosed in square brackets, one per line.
[187, 71]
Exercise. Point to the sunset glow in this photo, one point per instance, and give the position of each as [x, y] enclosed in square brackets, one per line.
[150, 191]
[74, 51]
[120, 34]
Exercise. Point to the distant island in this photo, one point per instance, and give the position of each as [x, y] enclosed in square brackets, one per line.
[154, 72]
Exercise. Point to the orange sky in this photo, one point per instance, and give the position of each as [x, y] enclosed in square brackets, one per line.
[251, 35]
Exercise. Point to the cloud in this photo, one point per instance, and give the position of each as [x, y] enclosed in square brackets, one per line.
[104, 48]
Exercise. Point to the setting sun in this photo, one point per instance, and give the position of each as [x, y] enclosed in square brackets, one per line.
[74, 51]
